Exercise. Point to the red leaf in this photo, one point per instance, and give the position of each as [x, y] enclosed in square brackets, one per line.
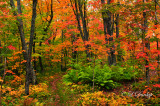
[152, 68]
[11, 47]
[145, 91]
[138, 0]
[157, 85]
[112, 1]
[46, 42]
[149, 89]
[9, 71]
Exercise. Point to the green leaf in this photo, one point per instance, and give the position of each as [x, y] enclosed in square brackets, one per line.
[36, 55]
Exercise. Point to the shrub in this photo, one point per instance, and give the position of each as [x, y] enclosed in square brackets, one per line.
[123, 73]
[106, 77]
[92, 99]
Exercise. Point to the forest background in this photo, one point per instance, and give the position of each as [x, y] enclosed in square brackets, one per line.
[95, 46]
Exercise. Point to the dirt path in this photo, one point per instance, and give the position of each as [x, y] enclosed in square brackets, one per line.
[54, 89]
[61, 94]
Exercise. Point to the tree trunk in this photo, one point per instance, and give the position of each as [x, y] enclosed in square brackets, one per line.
[3, 78]
[45, 31]
[63, 55]
[147, 44]
[119, 58]
[32, 32]
[27, 52]
[35, 65]
[156, 22]
[74, 52]
[107, 23]
[24, 46]
[34, 51]
[1, 60]
[81, 15]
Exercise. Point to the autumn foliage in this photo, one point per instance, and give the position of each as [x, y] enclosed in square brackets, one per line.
[99, 43]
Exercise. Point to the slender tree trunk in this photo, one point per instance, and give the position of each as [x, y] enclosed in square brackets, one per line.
[81, 15]
[107, 22]
[24, 46]
[3, 78]
[158, 62]
[63, 55]
[35, 65]
[119, 56]
[62, 52]
[45, 31]
[156, 22]
[74, 52]
[34, 51]
[1, 60]
[117, 36]
[27, 52]
[147, 44]
[117, 26]
[104, 19]
[93, 75]
[40, 63]
[32, 33]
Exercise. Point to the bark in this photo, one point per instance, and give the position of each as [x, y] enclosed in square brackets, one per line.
[119, 56]
[45, 31]
[107, 22]
[24, 46]
[27, 52]
[158, 61]
[1, 59]
[40, 62]
[62, 68]
[104, 19]
[63, 55]
[34, 62]
[156, 22]
[117, 26]
[81, 15]
[32, 32]
[93, 76]
[147, 44]
[34, 51]
[3, 78]
[76, 13]
[74, 53]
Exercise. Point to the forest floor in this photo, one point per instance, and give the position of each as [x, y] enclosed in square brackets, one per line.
[63, 95]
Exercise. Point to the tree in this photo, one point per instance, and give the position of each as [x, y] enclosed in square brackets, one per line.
[27, 53]
[80, 11]
[107, 23]
[147, 44]
[45, 29]
[156, 23]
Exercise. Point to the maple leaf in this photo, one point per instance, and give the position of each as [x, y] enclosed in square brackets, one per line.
[11, 47]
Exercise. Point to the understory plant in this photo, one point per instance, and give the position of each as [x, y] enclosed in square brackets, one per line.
[104, 76]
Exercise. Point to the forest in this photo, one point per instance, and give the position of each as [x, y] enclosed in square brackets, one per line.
[79, 52]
